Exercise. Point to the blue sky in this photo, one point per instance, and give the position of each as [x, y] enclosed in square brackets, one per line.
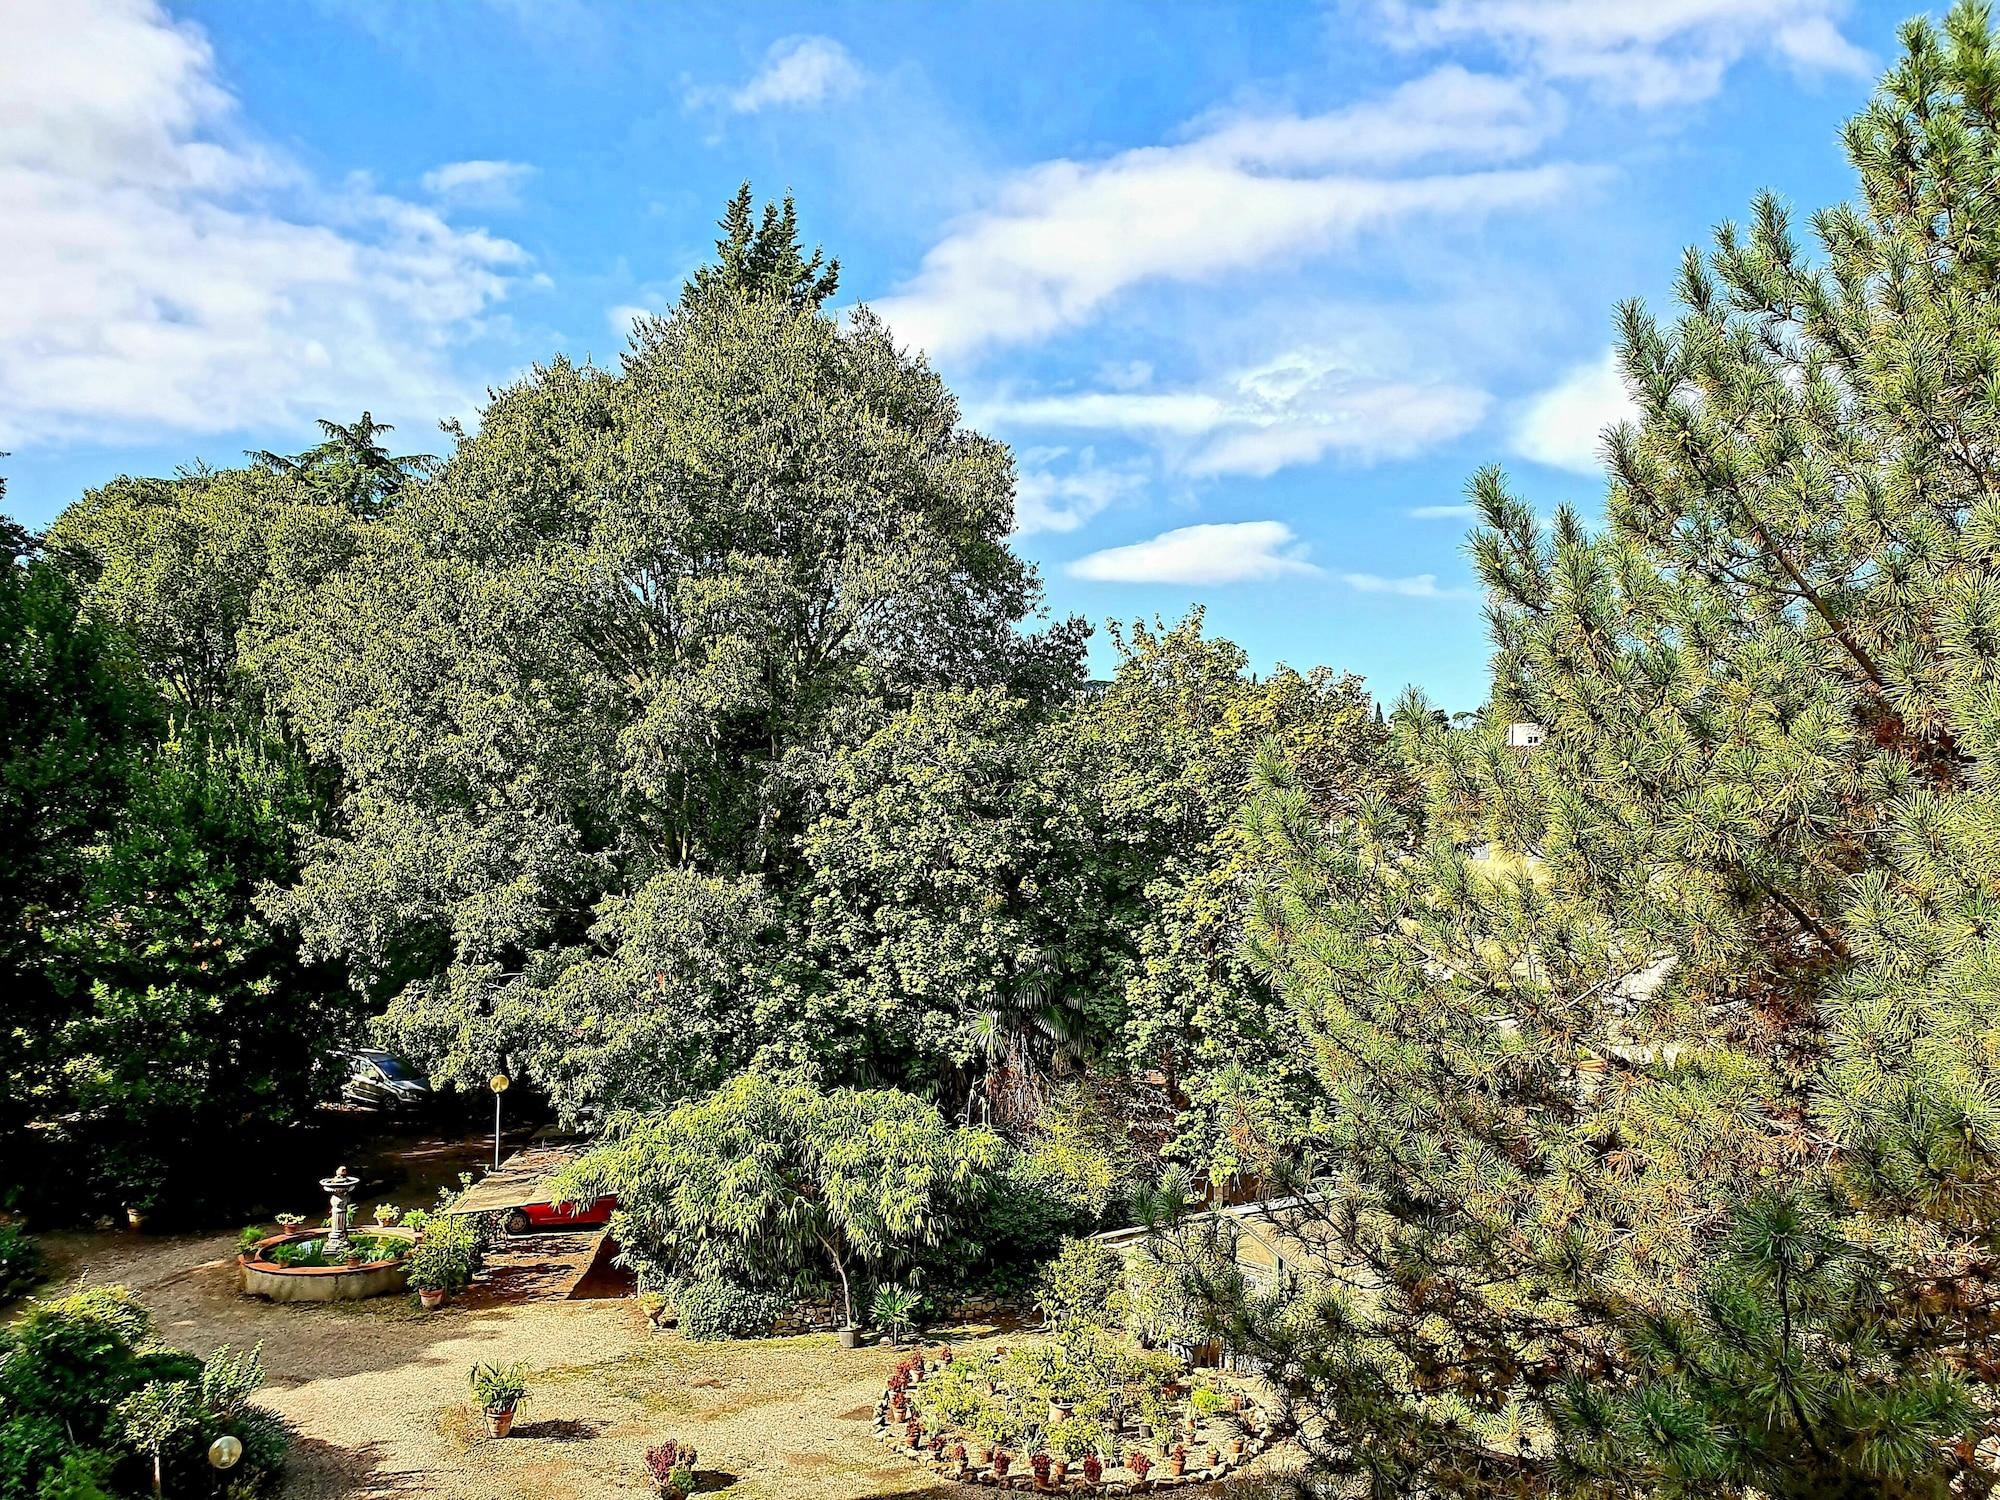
[1251, 288]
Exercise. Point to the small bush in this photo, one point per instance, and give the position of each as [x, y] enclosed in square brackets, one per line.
[449, 1255]
[1083, 1286]
[712, 1308]
[20, 1261]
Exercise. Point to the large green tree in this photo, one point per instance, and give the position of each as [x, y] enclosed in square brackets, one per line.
[579, 682]
[1662, 1154]
[75, 712]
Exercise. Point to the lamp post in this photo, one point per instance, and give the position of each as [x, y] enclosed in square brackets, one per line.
[498, 1083]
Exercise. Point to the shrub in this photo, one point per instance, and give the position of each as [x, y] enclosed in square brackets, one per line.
[712, 1308]
[85, 1390]
[448, 1255]
[1083, 1286]
[20, 1261]
[1074, 1437]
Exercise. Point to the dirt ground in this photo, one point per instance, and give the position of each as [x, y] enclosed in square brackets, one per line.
[376, 1390]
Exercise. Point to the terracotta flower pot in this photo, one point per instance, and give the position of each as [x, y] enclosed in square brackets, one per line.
[1058, 1470]
[499, 1420]
[1236, 1447]
[431, 1297]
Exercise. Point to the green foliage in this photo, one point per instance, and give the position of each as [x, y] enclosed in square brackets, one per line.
[89, 1402]
[499, 1387]
[449, 1252]
[1074, 1437]
[713, 1308]
[583, 686]
[771, 1181]
[1083, 1286]
[20, 1261]
[189, 1014]
[77, 710]
[1165, 755]
[1659, 1059]
[894, 1310]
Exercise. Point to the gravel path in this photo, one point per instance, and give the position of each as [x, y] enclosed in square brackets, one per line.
[376, 1390]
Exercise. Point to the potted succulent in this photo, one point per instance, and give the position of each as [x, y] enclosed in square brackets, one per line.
[1001, 1459]
[1212, 1458]
[670, 1466]
[1139, 1464]
[1041, 1463]
[1236, 1446]
[1058, 1468]
[1177, 1461]
[499, 1390]
[1093, 1468]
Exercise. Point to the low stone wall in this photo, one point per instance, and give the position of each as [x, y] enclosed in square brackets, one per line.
[375, 1278]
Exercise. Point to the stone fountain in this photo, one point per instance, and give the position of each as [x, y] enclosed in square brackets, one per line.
[339, 1189]
[343, 1275]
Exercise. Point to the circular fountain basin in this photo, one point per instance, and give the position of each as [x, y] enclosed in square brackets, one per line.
[263, 1277]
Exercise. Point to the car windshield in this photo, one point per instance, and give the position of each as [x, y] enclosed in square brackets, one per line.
[394, 1071]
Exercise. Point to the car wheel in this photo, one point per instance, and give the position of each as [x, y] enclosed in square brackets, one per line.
[516, 1222]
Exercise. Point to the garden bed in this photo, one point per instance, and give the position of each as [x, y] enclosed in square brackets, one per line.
[1015, 1421]
[290, 1268]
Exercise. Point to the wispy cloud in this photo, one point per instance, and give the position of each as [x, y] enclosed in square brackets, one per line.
[1564, 425]
[159, 270]
[1048, 498]
[1645, 55]
[798, 71]
[1230, 552]
[1441, 512]
[1420, 586]
[1296, 408]
[485, 184]
[1062, 239]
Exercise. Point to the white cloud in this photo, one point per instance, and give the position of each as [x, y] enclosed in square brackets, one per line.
[1231, 552]
[1564, 425]
[798, 71]
[495, 184]
[1442, 512]
[1048, 500]
[1421, 586]
[1297, 408]
[1063, 238]
[1658, 53]
[159, 270]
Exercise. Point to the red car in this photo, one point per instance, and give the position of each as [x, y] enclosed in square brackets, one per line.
[526, 1216]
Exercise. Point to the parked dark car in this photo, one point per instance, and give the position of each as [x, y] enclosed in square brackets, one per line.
[382, 1080]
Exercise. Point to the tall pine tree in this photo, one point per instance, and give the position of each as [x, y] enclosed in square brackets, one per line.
[1664, 1059]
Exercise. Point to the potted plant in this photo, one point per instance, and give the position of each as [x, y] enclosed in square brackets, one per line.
[1212, 1458]
[1001, 1460]
[1236, 1446]
[1041, 1463]
[443, 1261]
[1177, 1461]
[1058, 1468]
[1138, 1463]
[1093, 1468]
[670, 1466]
[499, 1390]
